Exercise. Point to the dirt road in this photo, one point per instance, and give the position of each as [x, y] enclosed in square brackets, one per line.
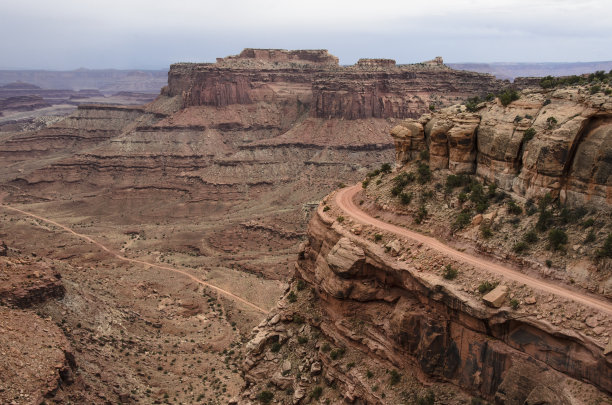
[142, 262]
[344, 200]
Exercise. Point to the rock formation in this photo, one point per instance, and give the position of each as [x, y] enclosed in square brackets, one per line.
[547, 141]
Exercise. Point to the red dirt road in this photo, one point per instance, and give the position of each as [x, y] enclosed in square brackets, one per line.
[344, 200]
[127, 259]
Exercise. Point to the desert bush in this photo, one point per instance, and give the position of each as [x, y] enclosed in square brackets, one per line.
[531, 237]
[424, 173]
[463, 219]
[405, 198]
[457, 180]
[365, 183]
[588, 223]
[316, 392]
[514, 208]
[551, 121]
[265, 397]
[508, 96]
[520, 247]
[529, 134]
[421, 214]
[377, 237]
[471, 104]
[340, 219]
[275, 348]
[557, 238]
[486, 231]
[514, 303]
[544, 220]
[337, 353]
[449, 272]
[590, 238]
[291, 297]
[395, 377]
[385, 168]
[427, 399]
[606, 250]
[486, 286]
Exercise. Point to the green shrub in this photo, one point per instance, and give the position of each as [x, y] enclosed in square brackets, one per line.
[275, 348]
[432, 107]
[325, 348]
[486, 286]
[292, 297]
[405, 198]
[424, 173]
[463, 219]
[471, 104]
[486, 231]
[529, 134]
[369, 374]
[606, 250]
[463, 197]
[544, 220]
[590, 238]
[337, 353]
[551, 121]
[373, 173]
[420, 215]
[340, 219]
[396, 190]
[531, 237]
[326, 208]
[377, 237]
[588, 223]
[385, 168]
[595, 89]
[449, 273]
[265, 397]
[316, 392]
[365, 183]
[557, 238]
[341, 185]
[302, 340]
[514, 209]
[457, 180]
[301, 284]
[549, 263]
[520, 247]
[395, 377]
[508, 96]
[424, 155]
[403, 179]
[514, 304]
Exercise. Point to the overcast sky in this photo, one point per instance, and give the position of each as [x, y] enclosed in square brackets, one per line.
[68, 34]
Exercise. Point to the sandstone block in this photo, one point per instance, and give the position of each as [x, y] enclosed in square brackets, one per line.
[496, 297]
[345, 258]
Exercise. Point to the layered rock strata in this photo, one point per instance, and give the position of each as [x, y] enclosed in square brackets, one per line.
[390, 313]
[547, 141]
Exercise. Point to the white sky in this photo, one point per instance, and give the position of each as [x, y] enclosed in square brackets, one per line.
[67, 34]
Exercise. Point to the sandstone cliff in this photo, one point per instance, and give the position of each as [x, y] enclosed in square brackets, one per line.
[376, 328]
[556, 141]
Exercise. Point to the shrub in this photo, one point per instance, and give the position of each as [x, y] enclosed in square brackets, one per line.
[486, 231]
[432, 107]
[531, 237]
[513, 208]
[549, 263]
[377, 237]
[546, 102]
[457, 180]
[265, 397]
[341, 185]
[325, 348]
[424, 173]
[544, 220]
[595, 89]
[396, 190]
[340, 219]
[514, 304]
[395, 377]
[302, 340]
[557, 238]
[385, 168]
[405, 198]
[316, 392]
[424, 155]
[369, 374]
[463, 219]
[590, 238]
[292, 297]
[551, 121]
[520, 247]
[373, 173]
[421, 214]
[326, 208]
[403, 179]
[486, 286]
[301, 284]
[508, 96]
[528, 135]
[472, 103]
[365, 183]
[275, 348]
[606, 250]
[450, 273]
[588, 223]
[463, 197]
[337, 353]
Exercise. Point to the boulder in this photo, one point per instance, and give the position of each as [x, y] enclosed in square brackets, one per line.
[345, 258]
[497, 297]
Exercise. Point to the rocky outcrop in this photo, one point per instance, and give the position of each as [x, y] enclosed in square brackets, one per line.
[387, 312]
[547, 141]
[36, 358]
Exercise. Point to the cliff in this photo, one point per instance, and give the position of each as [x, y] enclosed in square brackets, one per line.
[377, 323]
[557, 141]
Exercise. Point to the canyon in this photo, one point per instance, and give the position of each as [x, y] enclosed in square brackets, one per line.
[217, 179]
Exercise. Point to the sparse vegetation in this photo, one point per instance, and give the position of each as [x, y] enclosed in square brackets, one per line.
[385, 168]
[529, 134]
[606, 250]
[514, 303]
[551, 122]
[463, 219]
[316, 392]
[449, 272]
[428, 399]
[557, 238]
[265, 397]
[291, 297]
[531, 237]
[486, 286]
[424, 173]
[514, 208]
[520, 247]
[421, 214]
[508, 96]
[340, 219]
[377, 237]
[395, 377]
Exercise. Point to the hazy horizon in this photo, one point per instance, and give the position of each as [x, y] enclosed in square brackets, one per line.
[151, 35]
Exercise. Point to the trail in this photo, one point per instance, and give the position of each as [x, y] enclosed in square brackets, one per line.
[344, 200]
[142, 262]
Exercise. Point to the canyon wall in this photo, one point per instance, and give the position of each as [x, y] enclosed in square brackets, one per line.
[557, 141]
[383, 313]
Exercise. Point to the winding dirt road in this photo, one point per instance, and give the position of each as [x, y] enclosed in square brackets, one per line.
[142, 262]
[344, 200]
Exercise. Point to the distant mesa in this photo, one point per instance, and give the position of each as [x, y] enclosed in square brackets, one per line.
[301, 56]
[19, 85]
